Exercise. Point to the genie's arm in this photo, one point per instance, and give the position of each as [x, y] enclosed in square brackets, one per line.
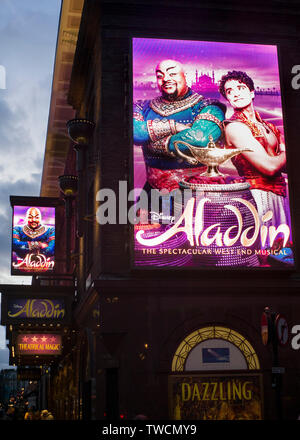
[17, 244]
[140, 130]
[152, 130]
[207, 122]
[49, 250]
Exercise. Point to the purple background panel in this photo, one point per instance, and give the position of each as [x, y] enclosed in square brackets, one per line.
[48, 215]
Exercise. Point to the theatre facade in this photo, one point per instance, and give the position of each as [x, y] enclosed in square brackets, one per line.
[184, 305]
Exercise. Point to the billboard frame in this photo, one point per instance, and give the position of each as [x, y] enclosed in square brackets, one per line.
[51, 202]
[134, 269]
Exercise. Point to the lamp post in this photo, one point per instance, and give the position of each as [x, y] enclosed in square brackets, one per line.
[68, 185]
[80, 132]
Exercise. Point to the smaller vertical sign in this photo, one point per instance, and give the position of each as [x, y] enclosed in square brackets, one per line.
[33, 236]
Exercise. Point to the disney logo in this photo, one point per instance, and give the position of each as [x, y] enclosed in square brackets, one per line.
[155, 216]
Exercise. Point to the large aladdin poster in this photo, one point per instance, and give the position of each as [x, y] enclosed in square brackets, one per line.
[210, 176]
[33, 240]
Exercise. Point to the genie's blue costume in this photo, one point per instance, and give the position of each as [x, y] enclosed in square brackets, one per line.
[154, 124]
[25, 240]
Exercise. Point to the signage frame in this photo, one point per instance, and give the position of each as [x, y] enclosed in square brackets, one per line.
[36, 355]
[230, 373]
[284, 105]
[36, 292]
[51, 202]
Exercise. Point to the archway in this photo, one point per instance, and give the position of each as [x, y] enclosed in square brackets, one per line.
[215, 375]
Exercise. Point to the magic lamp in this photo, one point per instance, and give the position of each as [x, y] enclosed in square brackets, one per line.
[80, 130]
[68, 184]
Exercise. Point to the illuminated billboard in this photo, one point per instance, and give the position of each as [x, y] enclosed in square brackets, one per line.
[216, 397]
[38, 344]
[36, 308]
[33, 239]
[210, 176]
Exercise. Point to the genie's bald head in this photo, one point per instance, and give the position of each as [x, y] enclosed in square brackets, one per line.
[33, 217]
[171, 79]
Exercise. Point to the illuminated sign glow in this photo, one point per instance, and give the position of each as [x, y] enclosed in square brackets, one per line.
[218, 237]
[21, 308]
[33, 239]
[238, 216]
[217, 397]
[39, 344]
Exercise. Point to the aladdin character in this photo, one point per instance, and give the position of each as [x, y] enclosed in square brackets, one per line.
[178, 114]
[263, 165]
[33, 237]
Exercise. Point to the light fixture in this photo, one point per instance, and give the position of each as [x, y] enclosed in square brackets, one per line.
[80, 132]
[68, 185]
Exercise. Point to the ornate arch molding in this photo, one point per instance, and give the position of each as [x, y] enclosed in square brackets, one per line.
[214, 332]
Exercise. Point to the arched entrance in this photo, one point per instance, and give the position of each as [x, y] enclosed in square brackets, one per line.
[215, 375]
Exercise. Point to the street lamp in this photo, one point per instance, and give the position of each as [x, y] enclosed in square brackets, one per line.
[80, 132]
[68, 185]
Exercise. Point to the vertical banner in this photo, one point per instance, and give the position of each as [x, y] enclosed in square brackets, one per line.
[33, 239]
[210, 173]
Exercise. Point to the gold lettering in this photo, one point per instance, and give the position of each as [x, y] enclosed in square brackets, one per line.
[236, 390]
[185, 392]
[215, 385]
[31, 314]
[221, 391]
[247, 393]
[52, 347]
[196, 392]
[229, 390]
[24, 310]
[48, 311]
[59, 312]
[206, 385]
[43, 312]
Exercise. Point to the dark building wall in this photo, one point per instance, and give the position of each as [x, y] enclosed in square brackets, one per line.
[162, 320]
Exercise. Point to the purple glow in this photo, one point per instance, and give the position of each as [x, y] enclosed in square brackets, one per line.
[258, 60]
[204, 64]
[48, 215]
